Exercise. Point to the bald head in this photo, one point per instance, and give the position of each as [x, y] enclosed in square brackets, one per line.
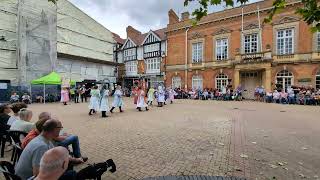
[54, 162]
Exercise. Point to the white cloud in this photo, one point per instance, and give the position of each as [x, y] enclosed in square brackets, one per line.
[143, 15]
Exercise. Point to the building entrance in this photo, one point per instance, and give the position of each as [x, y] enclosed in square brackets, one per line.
[249, 81]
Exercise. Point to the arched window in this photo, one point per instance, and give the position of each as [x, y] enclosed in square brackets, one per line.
[284, 78]
[318, 80]
[221, 80]
[197, 82]
[176, 82]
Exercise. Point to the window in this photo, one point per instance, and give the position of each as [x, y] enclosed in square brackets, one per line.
[197, 82]
[285, 42]
[318, 41]
[318, 80]
[251, 43]
[153, 65]
[129, 52]
[197, 52]
[222, 49]
[176, 82]
[284, 79]
[221, 80]
[151, 48]
[131, 67]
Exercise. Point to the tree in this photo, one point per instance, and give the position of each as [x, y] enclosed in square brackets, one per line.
[54, 1]
[310, 12]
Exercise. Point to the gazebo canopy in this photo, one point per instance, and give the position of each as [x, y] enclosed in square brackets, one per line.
[51, 79]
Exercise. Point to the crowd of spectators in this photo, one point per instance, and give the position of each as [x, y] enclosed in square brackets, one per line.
[44, 145]
[290, 95]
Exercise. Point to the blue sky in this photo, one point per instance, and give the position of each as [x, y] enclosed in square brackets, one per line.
[143, 15]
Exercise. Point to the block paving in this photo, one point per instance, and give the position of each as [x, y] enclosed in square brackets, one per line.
[198, 139]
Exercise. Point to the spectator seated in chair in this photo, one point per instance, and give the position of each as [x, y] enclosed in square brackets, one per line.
[268, 97]
[63, 139]
[5, 110]
[29, 162]
[39, 99]
[26, 98]
[276, 96]
[16, 107]
[53, 164]
[23, 124]
[14, 98]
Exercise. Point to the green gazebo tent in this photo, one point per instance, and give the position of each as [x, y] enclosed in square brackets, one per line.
[51, 79]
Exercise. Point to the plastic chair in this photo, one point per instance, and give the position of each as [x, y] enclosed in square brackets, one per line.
[3, 137]
[8, 171]
[17, 150]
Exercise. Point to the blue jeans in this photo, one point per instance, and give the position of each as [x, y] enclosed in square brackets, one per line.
[292, 100]
[74, 142]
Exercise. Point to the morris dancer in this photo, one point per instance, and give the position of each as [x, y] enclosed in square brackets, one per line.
[150, 96]
[94, 100]
[104, 103]
[172, 93]
[64, 96]
[141, 100]
[161, 98]
[135, 91]
[117, 101]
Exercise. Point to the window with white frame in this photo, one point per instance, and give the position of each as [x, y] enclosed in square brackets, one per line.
[222, 49]
[318, 41]
[129, 52]
[131, 67]
[197, 49]
[151, 47]
[285, 41]
[197, 82]
[176, 82]
[284, 78]
[318, 80]
[250, 43]
[221, 80]
[153, 65]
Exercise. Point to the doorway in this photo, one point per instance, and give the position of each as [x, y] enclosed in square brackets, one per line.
[250, 80]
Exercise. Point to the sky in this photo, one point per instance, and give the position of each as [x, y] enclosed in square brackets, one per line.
[143, 15]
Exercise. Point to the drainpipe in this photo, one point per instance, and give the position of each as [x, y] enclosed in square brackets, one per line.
[186, 61]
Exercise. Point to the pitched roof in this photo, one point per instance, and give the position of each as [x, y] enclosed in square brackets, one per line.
[138, 40]
[118, 39]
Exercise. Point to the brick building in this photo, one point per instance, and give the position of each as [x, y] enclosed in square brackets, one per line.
[224, 49]
[142, 57]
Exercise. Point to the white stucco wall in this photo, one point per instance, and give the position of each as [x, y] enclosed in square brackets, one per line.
[80, 35]
[8, 40]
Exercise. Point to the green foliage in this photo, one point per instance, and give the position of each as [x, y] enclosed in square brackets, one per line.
[310, 12]
[53, 1]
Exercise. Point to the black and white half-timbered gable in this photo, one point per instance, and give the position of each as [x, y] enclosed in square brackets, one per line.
[152, 53]
[129, 51]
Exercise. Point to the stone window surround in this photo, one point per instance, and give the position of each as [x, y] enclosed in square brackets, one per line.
[292, 25]
[221, 36]
[248, 32]
[315, 42]
[198, 40]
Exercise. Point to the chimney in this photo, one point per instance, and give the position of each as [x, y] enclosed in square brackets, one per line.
[185, 16]
[132, 32]
[173, 17]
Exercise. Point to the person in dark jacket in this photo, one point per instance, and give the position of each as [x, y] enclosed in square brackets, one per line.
[5, 109]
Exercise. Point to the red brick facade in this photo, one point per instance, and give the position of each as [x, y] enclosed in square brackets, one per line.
[303, 64]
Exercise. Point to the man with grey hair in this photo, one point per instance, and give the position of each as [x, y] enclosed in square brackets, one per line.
[53, 164]
[29, 162]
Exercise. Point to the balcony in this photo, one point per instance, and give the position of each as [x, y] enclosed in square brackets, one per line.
[151, 54]
[258, 57]
[130, 58]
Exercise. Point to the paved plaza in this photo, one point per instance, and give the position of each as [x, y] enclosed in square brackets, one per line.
[193, 137]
